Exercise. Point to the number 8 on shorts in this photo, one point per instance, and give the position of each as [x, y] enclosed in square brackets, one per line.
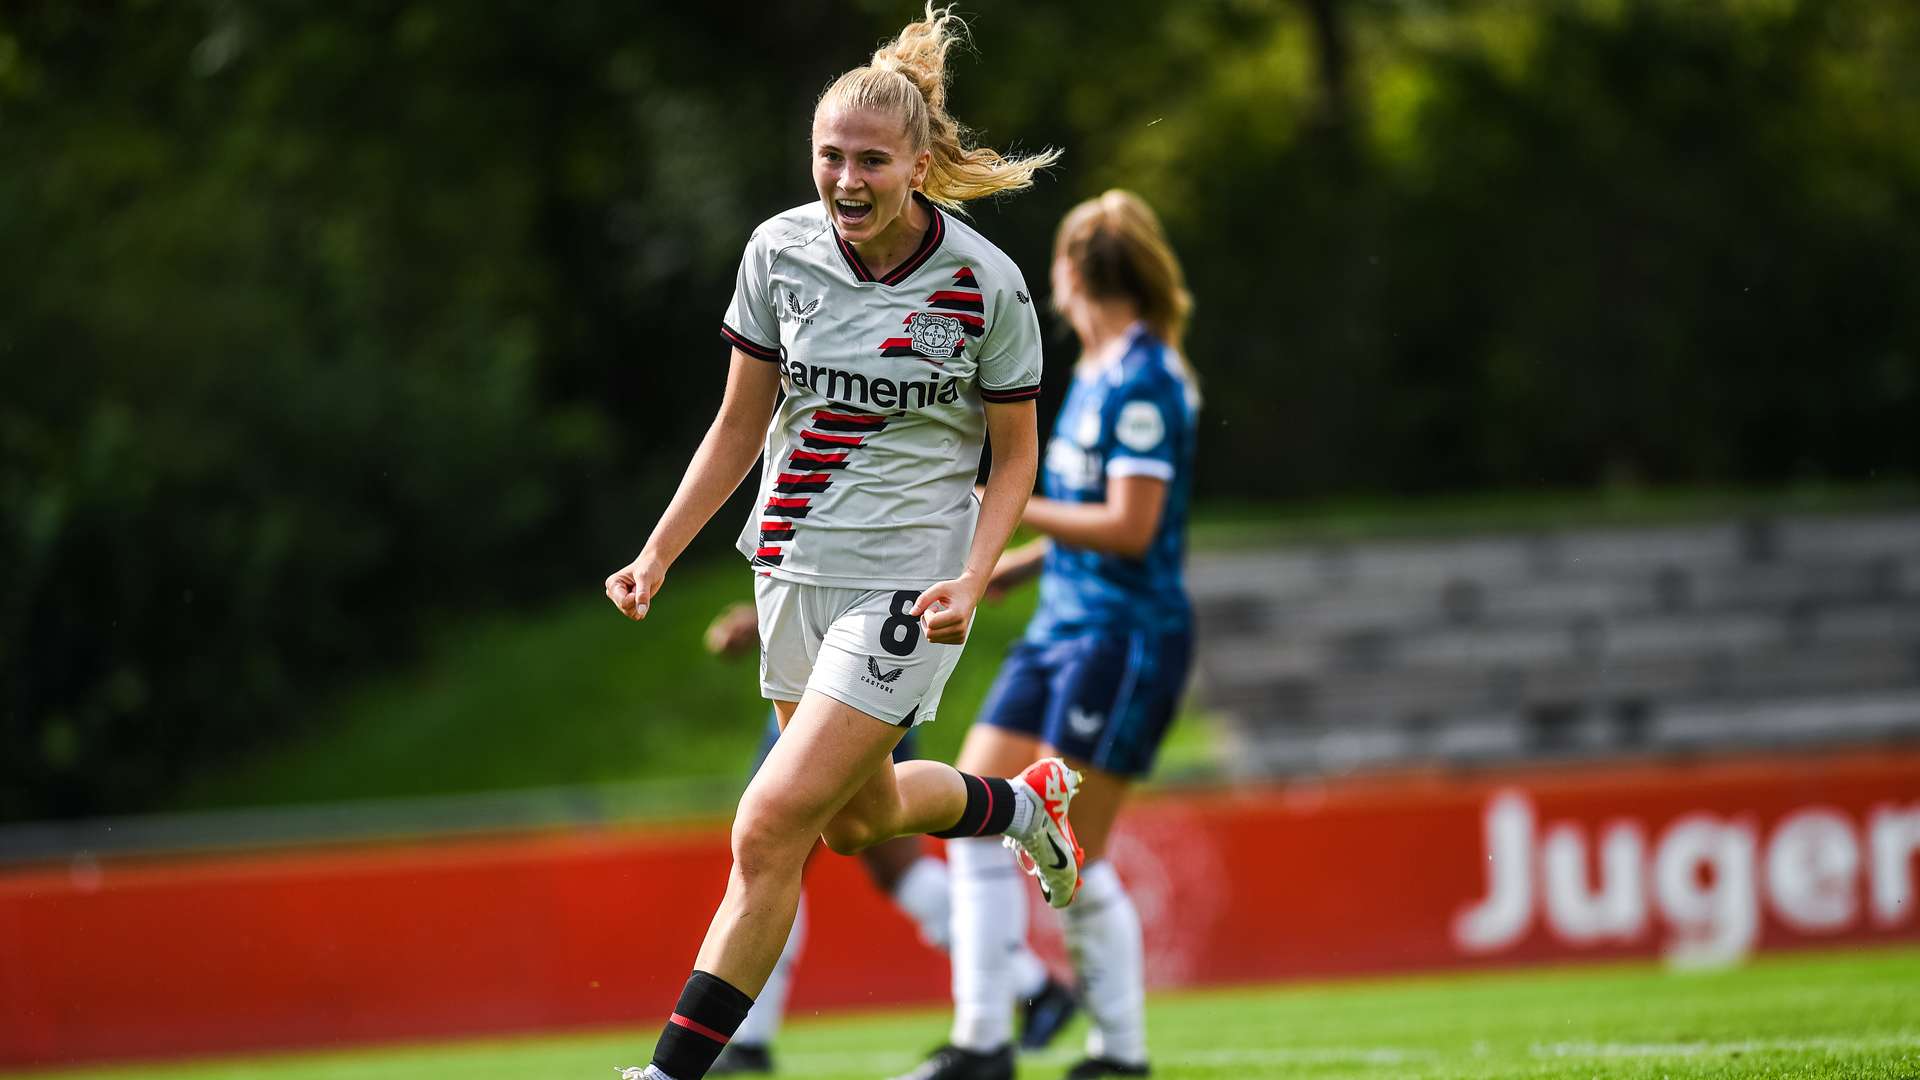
[861, 647]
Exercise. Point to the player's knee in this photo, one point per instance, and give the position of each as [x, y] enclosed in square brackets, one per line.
[763, 843]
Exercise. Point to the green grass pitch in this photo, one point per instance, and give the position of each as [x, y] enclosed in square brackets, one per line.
[1837, 1014]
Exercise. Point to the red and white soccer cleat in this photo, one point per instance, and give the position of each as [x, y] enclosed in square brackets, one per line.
[1049, 850]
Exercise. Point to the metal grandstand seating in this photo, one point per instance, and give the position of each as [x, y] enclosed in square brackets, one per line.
[1758, 632]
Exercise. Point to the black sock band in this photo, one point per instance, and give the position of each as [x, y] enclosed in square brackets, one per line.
[709, 1012]
[989, 809]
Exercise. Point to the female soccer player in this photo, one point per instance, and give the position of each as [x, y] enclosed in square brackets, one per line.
[900, 868]
[1099, 673]
[886, 339]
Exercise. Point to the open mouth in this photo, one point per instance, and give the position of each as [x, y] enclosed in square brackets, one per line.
[852, 212]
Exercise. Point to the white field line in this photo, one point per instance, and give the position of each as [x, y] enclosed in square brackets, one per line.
[819, 1063]
[1830, 1044]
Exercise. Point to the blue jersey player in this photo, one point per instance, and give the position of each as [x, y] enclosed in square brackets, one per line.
[1099, 673]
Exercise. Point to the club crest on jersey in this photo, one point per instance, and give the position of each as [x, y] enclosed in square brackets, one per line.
[936, 337]
[797, 312]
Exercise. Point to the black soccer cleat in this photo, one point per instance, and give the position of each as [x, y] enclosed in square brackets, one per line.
[953, 1063]
[1046, 1013]
[1094, 1068]
[742, 1059]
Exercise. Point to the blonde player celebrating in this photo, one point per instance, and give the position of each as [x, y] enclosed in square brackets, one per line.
[886, 339]
[915, 881]
[1098, 675]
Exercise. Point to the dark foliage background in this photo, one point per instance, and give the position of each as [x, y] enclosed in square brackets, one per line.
[317, 319]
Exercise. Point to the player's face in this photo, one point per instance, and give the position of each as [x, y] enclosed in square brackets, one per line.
[1066, 292]
[1062, 278]
[865, 168]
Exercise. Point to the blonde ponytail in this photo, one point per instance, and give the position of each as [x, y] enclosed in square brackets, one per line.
[908, 77]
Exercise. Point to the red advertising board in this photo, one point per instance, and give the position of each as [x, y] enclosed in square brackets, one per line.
[1700, 863]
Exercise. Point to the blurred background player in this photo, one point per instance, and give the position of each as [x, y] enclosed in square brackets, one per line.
[1099, 673]
[900, 868]
[887, 340]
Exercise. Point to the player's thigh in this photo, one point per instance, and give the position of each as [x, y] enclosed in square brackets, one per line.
[827, 752]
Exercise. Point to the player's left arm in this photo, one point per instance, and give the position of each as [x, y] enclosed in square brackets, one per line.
[1016, 461]
[1141, 435]
[1124, 524]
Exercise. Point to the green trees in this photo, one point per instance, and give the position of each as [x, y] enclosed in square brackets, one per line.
[1566, 244]
[318, 317]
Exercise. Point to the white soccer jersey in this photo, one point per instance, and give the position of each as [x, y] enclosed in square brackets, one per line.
[870, 459]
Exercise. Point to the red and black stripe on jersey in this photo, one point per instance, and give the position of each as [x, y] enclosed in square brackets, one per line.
[900, 346]
[815, 461]
[964, 301]
[815, 440]
[864, 423]
[802, 483]
[830, 438]
[747, 345]
[1011, 393]
[950, 300]
[787, 508]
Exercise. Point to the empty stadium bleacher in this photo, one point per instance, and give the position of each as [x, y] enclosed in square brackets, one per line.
[1766, 631]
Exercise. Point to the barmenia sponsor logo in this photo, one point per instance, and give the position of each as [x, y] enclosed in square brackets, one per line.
[851, 386]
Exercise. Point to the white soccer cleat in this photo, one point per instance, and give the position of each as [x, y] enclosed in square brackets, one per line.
[632, 1072]
[1049, 850]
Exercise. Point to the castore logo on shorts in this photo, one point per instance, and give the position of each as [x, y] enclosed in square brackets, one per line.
[882, 679]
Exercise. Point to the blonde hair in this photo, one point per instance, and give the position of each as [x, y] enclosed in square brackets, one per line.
[908, 77]
[1119, 252]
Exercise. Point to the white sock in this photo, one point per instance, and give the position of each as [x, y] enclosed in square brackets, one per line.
[989, 927]
[925, 895]
[1103, 937]
[763, 1019]
[1028, 973]
[1026, 809]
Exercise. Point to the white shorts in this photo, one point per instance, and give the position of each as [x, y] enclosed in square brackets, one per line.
[856, 646]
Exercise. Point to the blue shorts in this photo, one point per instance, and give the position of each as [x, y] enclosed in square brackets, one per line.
[907, 749]
[1105, 698]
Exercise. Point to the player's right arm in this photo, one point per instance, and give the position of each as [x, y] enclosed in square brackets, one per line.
[731, 446]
